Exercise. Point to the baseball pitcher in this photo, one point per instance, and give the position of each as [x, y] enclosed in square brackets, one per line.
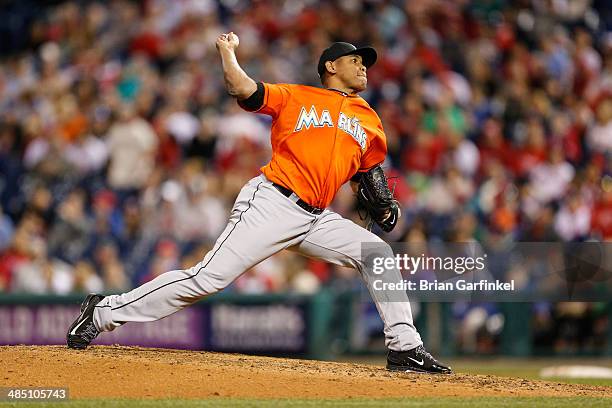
[321, 139]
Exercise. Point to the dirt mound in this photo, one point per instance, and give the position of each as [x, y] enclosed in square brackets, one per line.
[129, 372]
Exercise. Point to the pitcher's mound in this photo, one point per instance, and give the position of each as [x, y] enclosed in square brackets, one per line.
[129, 372]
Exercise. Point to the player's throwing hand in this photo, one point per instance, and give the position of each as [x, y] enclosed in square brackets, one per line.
[227, 41]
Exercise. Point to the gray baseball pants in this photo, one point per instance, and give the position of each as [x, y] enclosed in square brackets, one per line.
[262, 223]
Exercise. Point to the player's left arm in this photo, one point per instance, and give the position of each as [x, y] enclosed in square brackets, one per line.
[373, 156]
[371, 186]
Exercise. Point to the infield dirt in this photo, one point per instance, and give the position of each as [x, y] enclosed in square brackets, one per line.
[129, 372]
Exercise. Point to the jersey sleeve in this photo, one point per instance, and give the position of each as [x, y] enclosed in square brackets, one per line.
[376, 152]
[274, 99]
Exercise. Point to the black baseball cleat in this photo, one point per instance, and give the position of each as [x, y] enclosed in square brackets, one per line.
[83, 330]
[417, 360]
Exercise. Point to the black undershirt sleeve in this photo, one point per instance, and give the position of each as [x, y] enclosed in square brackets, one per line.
[255, 101]
[357, 177]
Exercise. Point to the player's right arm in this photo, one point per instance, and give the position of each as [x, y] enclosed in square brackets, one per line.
[237, 82]
[252, 96]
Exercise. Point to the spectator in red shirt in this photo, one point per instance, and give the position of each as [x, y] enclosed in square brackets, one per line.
[425, 154]
[492, 145]
[534, 150]
[601, 220]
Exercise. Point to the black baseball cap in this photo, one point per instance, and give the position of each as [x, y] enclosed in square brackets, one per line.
[340, 49]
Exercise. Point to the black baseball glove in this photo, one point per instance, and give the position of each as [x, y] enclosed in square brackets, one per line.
[374, 196]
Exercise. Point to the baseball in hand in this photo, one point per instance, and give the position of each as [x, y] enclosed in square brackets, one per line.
[228, 41]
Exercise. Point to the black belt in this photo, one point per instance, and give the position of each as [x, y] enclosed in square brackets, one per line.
[294, 197]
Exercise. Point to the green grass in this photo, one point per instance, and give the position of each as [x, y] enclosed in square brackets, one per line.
[492, 402]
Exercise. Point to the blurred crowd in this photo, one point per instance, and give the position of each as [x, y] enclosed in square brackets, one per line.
[121, 153]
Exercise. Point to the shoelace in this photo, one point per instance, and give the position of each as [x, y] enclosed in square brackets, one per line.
[90, 332]
[420, 351]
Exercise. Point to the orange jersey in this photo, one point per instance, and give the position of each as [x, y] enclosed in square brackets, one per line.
[320, 139]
